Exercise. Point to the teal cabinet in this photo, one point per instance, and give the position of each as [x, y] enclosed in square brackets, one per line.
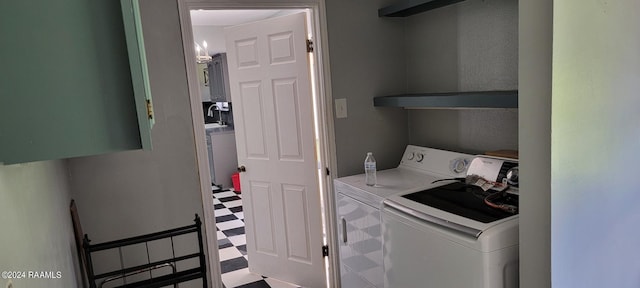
[67, 86]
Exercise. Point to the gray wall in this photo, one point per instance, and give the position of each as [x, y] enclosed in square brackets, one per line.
[37, 234]
[469, 46]
[136, 192]
[595, 207]
[535, 142]
[366, 58]
[471, 131]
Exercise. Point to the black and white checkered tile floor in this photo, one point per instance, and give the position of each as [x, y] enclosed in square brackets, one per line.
[232, 244]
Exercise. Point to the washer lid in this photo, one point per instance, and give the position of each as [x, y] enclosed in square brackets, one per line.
[456, 206]
[463, 200]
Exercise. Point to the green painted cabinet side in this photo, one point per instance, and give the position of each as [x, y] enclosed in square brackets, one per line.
[65, 81]
[139, 69]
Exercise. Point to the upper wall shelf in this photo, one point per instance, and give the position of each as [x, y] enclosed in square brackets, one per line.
[455, 100]
[411, 7]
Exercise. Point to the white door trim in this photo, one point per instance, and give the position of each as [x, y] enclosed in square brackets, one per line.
[326, 124]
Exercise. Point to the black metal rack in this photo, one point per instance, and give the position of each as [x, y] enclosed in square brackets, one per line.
[173, 278]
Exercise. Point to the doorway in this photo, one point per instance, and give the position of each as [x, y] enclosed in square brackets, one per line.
[322, 128]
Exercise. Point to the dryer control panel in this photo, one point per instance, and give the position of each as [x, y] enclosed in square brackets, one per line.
[495, 169]
[436, 161]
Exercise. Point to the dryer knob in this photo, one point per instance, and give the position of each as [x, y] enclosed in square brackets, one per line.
[459, 165]
[411, 155]
[420, 157]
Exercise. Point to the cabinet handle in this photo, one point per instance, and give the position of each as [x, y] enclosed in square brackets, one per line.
[242, 169]
[344, 230]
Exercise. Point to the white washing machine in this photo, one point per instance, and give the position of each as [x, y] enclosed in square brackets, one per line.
[455, 235]
[358, 208]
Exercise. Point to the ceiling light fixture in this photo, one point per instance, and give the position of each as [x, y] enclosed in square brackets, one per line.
[202, 57]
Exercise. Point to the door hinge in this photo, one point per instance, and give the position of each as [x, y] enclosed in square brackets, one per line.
[325, 251]
[328, 172]
[149, 109]
[309, 45]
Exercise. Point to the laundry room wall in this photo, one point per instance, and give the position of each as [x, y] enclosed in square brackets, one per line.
[468, 46]
[37, 234]
[366, 54]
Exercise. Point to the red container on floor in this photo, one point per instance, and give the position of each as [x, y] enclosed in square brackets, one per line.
[235, 178]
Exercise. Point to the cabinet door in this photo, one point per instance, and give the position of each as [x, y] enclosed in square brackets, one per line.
[219, 78]
[216, 87]
[360, 243]
[66, 88]
[139, 69]
[225, 157]
[203, 80]
[212, 171]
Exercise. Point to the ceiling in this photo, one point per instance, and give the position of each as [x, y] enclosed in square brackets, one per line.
[229, 17]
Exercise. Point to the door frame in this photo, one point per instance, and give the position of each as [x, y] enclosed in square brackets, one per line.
[325, 118]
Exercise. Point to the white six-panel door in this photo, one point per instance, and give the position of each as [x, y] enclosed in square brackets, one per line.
[273, 111]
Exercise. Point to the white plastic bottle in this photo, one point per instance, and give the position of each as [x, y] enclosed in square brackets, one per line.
[370, 170]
